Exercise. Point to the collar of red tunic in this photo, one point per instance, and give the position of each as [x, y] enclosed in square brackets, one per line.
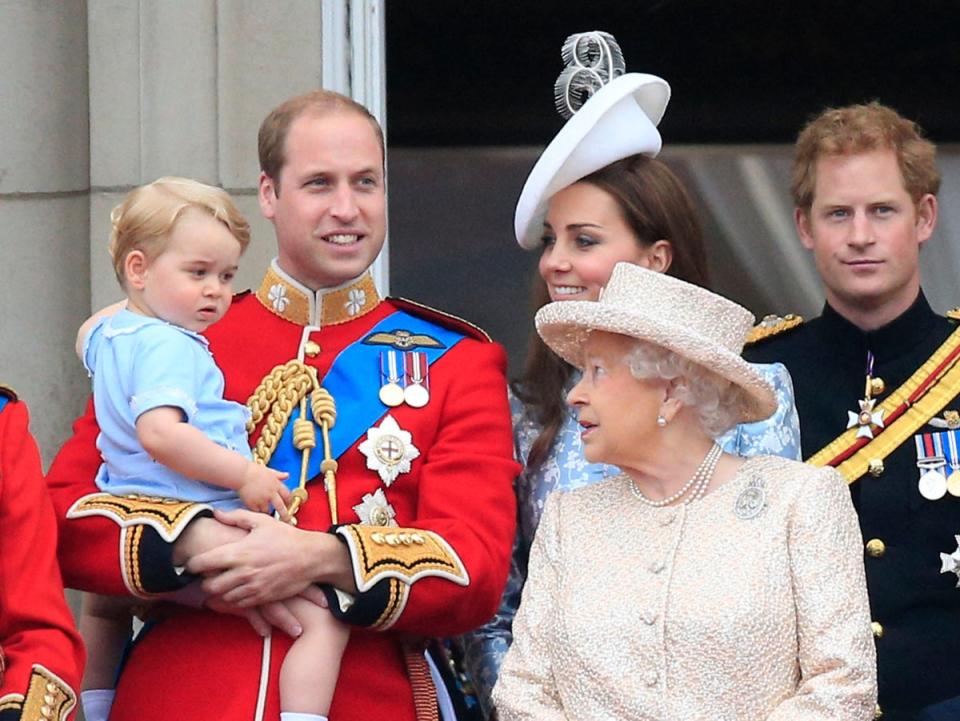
[285, 297]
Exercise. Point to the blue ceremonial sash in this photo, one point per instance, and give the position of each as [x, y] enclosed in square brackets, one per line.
[3, 401]
[354, 382]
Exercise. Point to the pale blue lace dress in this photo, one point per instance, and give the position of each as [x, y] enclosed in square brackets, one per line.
[565, 469]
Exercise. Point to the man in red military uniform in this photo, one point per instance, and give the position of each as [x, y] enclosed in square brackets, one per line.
[392, 421]
[41, 655]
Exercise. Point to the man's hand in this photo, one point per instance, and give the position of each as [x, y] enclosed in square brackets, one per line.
[273, 562]
[261, 618]
[262, 487]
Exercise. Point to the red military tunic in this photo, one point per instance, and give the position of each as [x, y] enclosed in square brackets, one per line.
[446, 562]
[41, 656]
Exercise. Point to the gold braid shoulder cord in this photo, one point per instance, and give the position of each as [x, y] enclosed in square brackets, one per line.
[281, 390]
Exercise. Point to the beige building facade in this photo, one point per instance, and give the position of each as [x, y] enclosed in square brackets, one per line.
[99, 96]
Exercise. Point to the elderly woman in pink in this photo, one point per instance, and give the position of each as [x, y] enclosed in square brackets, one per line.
[696, 584]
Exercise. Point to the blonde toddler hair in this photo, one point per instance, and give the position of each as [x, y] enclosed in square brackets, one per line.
[146, 216]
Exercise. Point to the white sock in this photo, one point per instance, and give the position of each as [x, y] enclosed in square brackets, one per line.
[96, 703]
[293, 716]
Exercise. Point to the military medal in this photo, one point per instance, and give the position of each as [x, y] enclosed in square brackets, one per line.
[389, 450]
[416, 393]
[866, 418]
[931, 462]
[950, 562]
[391, 394]
[375, 510]
[953, 480]
[933, 484]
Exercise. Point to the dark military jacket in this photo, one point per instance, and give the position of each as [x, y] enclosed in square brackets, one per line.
[915, 607]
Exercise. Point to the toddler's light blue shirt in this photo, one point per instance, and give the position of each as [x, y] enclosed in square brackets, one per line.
[139, 363]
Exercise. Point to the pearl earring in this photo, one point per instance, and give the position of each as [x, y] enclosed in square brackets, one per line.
[661, 421]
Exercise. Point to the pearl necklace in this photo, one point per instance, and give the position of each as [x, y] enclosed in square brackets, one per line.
[697, 485]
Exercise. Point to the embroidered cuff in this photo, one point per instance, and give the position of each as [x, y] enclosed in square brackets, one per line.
[149, 527]
[377, 609]
[167, 516]
[404, 554]
[48, 698]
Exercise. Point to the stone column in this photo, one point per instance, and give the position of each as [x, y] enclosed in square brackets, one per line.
[44, 212]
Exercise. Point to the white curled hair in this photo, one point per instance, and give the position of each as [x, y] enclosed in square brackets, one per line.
[718, 402]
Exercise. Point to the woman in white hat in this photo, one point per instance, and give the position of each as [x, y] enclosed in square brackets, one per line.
[597, 196]
[695, 584]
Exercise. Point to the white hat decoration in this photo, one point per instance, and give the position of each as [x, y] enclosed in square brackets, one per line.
[611, 116]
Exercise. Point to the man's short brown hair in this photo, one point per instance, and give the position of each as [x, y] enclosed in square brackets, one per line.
[859, 129]
[272, 138]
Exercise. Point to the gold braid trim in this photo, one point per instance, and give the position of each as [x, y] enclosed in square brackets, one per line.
[772, 325]
[274, 399]
[283, 389]
[11, 701]
[397, 601]
[934, 399]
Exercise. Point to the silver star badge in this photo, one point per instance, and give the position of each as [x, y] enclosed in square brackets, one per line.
[389, 450]
[951, 562]
[375, 510]
[866, 418]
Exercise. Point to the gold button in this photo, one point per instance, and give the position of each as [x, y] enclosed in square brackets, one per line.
[379, 516]
[877, 629]
[875, 467]
[877, 386]
[878, 712]
[876, 547]
[311, 349]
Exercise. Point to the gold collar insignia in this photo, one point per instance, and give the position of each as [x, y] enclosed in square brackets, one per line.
[285, 297]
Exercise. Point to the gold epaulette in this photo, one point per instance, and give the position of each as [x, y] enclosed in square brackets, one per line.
[442, 317]
[773, 325]
[8, 392]
[953, 314]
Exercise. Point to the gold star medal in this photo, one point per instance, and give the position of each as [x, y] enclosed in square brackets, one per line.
[389, 450]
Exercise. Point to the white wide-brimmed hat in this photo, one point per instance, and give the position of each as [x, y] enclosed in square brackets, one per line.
[619, 120]
[694, 323]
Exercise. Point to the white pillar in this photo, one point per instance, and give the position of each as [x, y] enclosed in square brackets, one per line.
[354, 63]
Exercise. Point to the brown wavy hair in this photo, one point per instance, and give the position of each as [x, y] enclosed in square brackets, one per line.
[859, 129]
[656, 206]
